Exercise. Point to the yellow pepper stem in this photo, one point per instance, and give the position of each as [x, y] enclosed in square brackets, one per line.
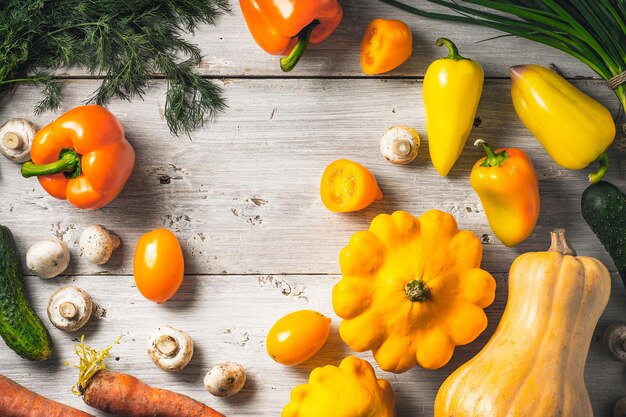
[603, 160]
[493, 159]
[416, 290]
[454, 52]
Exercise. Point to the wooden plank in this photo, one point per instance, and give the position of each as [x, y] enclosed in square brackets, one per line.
[229, 49]
[242, 195]
[228, 318]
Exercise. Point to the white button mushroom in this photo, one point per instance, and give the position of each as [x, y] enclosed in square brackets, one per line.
[48, 258]
[70, 308]
[170, 349]
[16, 136]
[97, 244]
[225, 379]
[400, 145]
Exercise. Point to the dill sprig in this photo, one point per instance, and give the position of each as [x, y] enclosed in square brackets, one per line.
[593, 31]
[125, 43]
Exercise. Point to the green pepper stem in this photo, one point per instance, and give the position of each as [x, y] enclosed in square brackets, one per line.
[493, 159]
[416, 290]
[454, 52]
[68, 163]
[290, 61]
[603, 160]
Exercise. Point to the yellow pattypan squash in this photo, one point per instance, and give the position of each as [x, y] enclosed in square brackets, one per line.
[412, 290]
[350, 390]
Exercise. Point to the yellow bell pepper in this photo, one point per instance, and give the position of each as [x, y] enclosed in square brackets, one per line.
[412, 289]
[452, 89]
[350, 390]
[573, 128]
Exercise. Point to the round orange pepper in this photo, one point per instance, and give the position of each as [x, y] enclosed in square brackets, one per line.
[507, 185]
[297, 336]
[82, 157]
[159, 265]
[347, 186]
[386, 45]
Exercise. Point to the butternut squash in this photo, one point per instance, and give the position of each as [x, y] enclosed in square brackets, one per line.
[534, 363]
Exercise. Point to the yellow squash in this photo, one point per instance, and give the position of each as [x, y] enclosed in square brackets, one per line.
[350, 390]
[452, 89]
[412, 289]
[534, 363]
[572, 127]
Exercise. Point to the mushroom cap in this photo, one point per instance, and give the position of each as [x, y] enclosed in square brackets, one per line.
[48, 258]
[16, 137]
[225, 379]
[614, 341]
[70, 308]
[97, 244]
[400, 144]
[170, 349]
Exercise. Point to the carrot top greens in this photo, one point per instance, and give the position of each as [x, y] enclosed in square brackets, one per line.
[91, 361]
[593, 31]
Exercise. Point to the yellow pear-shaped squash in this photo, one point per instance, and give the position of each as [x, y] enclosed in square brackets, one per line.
[534, 363]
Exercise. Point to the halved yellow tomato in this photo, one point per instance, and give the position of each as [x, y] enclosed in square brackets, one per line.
[297, 336]
[347, 186]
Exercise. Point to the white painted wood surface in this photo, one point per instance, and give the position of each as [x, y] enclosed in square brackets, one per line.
[242, 196]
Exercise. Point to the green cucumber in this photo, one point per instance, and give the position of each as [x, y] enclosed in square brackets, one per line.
[603, 206]
[20, 327]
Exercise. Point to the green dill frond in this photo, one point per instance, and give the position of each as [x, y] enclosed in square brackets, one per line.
[126, 43]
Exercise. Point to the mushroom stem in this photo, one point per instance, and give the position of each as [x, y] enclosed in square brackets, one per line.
[115, 241]
[68, 310]
[401, 146]
[167, 345]
[13, 141]
[560, 244]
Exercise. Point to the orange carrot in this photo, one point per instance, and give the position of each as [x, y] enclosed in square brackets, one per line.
[18, 401]
[123, 394]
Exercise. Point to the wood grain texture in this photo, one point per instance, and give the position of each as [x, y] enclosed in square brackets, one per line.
[229, 50]
[228, 318]
[242, 195]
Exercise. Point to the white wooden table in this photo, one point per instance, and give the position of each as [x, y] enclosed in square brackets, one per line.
[242, 197]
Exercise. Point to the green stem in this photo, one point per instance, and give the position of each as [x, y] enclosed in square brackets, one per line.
[68, 163]
[290, 61]
[416, 290]
[493, 159]
[454, 52]
[603, 160]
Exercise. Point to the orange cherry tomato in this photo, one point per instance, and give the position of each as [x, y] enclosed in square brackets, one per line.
[159, 266]
[386, 45]
[297, 337]
[347, 186]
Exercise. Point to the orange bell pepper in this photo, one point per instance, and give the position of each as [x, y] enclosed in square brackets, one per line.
[285, 27]
[82, 157]
[347, 186]
[507, 185]
[386, 45]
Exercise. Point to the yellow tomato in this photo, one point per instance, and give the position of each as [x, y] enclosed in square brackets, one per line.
[159, 266]
[347, 186]
[297, 337]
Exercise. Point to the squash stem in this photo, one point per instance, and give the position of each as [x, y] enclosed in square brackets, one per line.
[416, 290]
[560, 244]
[603, 160]
[453, 50]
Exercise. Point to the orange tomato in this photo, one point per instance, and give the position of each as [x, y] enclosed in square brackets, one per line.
[297, 336]
[347, 186]
[159, 266]
[386, 45]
